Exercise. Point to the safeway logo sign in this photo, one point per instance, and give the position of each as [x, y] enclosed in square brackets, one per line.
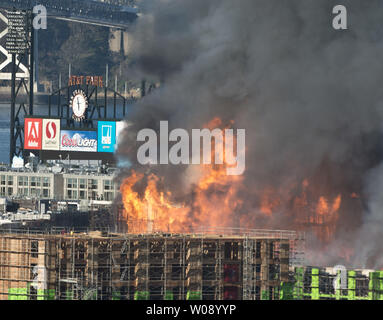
[51, 134]
[50, 130]
[33, 133]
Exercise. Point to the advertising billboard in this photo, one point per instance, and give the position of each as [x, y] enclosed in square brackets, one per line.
[106, 136]
[51, 134]
[32, 133]
[120, 125]
[82, 141]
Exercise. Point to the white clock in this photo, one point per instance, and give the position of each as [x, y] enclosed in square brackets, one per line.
[79, 103]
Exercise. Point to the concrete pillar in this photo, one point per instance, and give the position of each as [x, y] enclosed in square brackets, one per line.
[119, 41]
[126, 43]
[115, 40]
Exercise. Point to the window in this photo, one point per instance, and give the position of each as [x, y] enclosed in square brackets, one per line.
[83, 195]
[46, 182]
[107, 185]
[273, 271]
[72, 184]
[32, 288]
[257, 293]
[93, 184]
[32, 293]
[361, 287]
[72, 194]
[271, 250]
[35, 192]
[93, 195]
[307, 282]
[176, 272]
[82, 183]
[271, 291]
[10, 180]
[109, 196]
[326, 284]
[22, 191]
[23, 181]
[3, 180]
[34, 248]
[231, 272]
[257, 271]
[258, 249]
[46, 193]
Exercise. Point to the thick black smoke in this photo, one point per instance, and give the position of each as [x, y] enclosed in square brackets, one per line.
[309, 97]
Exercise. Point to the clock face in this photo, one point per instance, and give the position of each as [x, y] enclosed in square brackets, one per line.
[79, 103]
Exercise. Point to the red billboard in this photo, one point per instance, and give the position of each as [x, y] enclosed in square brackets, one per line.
[33, 133]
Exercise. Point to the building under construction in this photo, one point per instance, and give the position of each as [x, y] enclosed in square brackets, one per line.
[312, 283]
[229, 264]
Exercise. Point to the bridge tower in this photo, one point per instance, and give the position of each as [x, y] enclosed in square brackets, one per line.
[17, 68]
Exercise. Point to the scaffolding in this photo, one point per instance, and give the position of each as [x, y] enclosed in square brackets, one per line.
[312, 283]
[27, 266]
[214, 264]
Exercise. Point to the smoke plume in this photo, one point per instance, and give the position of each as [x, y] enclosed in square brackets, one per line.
[309, 97]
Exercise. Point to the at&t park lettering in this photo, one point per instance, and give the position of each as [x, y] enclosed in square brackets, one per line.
[96, 81]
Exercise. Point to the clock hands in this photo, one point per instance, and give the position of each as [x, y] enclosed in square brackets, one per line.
[79, 104]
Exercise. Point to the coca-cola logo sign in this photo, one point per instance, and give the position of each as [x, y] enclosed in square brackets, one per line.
[85, 141]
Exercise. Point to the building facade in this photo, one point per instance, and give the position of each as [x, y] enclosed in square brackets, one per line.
[59, 186]
[88, 187]
[314, 283]
[141, 267]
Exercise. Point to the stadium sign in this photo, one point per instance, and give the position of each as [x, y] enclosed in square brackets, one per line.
[96, 81]
[106, 136]
[51, 134]
[32, 133]
[82, 141]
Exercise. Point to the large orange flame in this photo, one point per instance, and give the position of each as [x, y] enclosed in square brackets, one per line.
[213, 203]
[153, 210]
[216, 202]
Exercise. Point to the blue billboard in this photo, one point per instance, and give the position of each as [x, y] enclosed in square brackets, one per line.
[106, 136]
[82, 141]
